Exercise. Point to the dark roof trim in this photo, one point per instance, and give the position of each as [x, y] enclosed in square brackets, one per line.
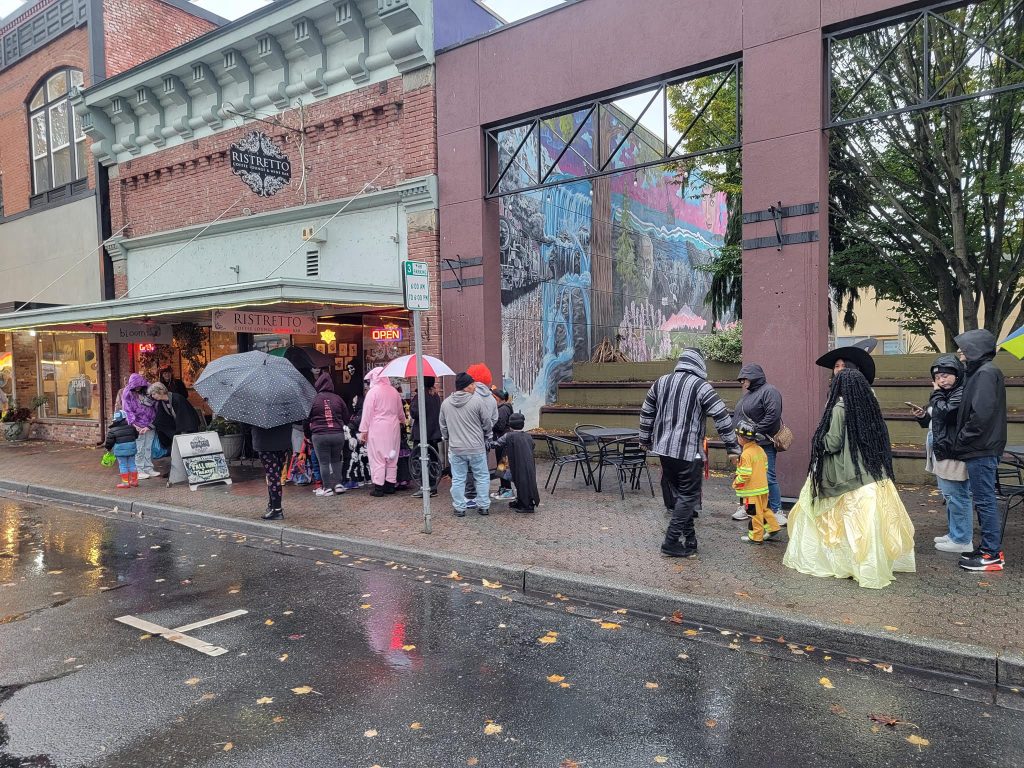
[195, 10]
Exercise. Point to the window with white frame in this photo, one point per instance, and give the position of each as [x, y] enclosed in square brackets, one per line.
[56, 138]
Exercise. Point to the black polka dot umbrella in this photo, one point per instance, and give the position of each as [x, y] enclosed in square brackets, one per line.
[256, 388]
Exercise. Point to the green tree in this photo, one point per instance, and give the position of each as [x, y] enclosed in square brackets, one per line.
[627, 265]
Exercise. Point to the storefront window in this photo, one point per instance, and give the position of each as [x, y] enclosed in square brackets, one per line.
[6, 371]
[69, 375]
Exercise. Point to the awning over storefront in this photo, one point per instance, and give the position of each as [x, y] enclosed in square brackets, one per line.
[283, 294]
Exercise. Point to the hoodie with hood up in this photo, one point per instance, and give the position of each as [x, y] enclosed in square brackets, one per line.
[328, 412]
[761, 404]
[943, 408]
[467, 421]
[138, 409]
[981, 420]
[674, 415]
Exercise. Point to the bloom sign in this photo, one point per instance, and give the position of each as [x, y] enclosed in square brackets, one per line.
[263, 167]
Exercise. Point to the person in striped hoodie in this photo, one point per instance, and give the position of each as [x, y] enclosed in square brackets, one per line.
[672, 426]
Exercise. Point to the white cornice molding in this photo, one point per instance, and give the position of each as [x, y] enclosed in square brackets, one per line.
[309, 49]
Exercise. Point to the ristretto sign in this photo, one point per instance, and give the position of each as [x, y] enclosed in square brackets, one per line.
[259, 162]
[246, 321]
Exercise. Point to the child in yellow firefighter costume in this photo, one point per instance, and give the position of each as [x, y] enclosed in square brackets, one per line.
[751, 486]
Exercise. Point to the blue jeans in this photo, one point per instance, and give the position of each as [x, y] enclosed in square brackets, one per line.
[957, 494]
[774, 494]
[460, 466]
[126, 464]
[981, 473]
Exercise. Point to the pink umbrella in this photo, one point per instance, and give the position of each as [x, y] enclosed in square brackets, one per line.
[405, 367]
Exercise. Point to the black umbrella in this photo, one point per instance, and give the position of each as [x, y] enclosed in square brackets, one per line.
[305, 358]
[256, 388]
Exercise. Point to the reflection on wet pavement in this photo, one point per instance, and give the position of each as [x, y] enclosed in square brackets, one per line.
[346, 661]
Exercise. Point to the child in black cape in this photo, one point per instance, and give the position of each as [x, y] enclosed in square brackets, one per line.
[518, 448]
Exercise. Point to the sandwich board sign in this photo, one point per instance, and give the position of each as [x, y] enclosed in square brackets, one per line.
[198, 459]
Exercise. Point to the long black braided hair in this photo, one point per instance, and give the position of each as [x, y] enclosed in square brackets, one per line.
[864, 429]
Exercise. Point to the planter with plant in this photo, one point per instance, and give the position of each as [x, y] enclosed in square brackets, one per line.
[17, 422]
[231, 437]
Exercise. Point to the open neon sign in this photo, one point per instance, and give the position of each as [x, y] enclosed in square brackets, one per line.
[145, 349]
[387, 333]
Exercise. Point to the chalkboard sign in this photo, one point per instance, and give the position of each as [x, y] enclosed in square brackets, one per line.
[198, 459]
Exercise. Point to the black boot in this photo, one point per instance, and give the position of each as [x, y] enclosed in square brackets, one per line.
[378, 491]
[389, 488]
[691, 543]
[674, 549]
[274, 513]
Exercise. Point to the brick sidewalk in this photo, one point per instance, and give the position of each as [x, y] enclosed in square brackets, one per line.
[598, 535]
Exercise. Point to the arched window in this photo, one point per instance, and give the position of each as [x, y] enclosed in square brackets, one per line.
[56, 136]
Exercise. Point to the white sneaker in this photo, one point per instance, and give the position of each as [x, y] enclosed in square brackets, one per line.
[339, 488]
[952, 546]
[781, 519]
[940, 539]
[740, 513]
[323, 492]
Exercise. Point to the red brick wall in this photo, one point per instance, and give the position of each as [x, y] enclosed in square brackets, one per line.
[348, 140]
[17, 83]
[137, 30]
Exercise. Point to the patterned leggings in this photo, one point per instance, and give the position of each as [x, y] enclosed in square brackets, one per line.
[273, 463]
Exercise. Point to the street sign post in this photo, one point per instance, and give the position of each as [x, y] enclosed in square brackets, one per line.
[416, 285]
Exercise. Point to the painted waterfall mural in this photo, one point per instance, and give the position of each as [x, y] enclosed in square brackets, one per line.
[613, 257]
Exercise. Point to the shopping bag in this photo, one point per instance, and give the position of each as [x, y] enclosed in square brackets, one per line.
[159, 449]
[108, 460]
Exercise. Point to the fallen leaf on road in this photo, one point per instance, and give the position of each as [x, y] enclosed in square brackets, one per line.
[295, 637]
[757, 639]
[192, 681]
[565, 685]
[677, 617]
[710, 723]
[416, 726]
[454, 576]
[690, 632]
[660, 759]
[278, 719]
[208, 696]
[555, 678]
[146, 636]
[408, 647]
[620, 610]
[891, 629]
[889, 720]
[265, 700]
[491, 584]
[550, 637]
[610, 625]
[984, 584]
[233, 591]
[683, 656]
[55, 572]
[883, 667]
[364, 606]
[228, 747]
[650, 685]
[741, 594]
[567, 763]
[471, 761]
[491, 729]
[283, 657]
[302, 690]
[288, 613]
[837, 709]
[336, 552]
[808, 648]
[826, 683]
[269, 622]
[917, 741]
[734, 646]
[370, 733]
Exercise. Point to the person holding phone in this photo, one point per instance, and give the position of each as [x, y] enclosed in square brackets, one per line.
[940, 416]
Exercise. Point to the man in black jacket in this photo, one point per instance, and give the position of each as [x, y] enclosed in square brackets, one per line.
[432, 400]
[761, 405]
[980, 441]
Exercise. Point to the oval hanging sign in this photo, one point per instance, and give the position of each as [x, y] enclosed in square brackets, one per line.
[259, 162]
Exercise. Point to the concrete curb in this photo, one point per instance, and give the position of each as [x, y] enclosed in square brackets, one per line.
[958, 659]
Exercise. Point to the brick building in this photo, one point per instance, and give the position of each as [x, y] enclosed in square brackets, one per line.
[265, 182]
[53, 201]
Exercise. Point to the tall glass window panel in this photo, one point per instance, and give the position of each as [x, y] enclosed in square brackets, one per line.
[57, 139]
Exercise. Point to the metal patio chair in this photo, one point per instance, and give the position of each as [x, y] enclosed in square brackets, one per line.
[628, 458]
[565, 452]
[1010, 483]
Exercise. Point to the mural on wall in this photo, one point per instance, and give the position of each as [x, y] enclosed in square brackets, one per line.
[613, 257]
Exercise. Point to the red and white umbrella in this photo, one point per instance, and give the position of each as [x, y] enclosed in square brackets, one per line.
[405, 367]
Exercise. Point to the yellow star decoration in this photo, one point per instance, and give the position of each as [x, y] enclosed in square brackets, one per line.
[328, 336]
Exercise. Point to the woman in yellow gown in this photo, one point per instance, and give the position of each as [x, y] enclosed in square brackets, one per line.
[849, 521]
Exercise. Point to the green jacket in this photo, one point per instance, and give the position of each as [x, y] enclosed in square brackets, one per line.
[838, 474]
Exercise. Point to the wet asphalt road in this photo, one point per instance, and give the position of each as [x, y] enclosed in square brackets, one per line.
[407, 668]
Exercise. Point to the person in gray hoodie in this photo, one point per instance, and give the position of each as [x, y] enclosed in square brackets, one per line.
[467, 421]
[761, 405]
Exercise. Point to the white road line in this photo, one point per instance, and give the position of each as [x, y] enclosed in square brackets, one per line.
[178, 636]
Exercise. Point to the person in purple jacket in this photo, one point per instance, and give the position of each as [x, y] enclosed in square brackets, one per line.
[140, 412]
[327, 419]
